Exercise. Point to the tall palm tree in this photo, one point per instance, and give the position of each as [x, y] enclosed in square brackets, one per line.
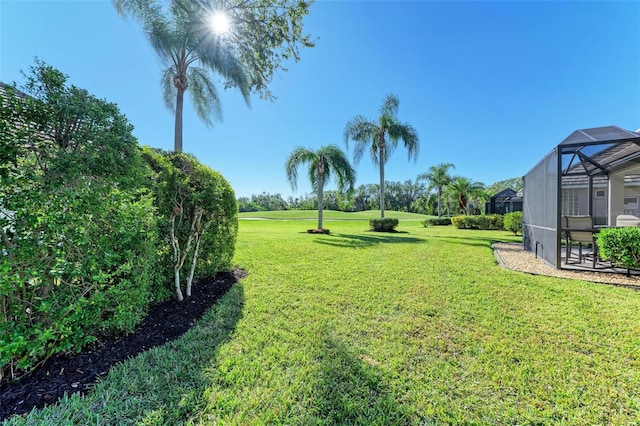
[323, 163]
[191, 51]
[438, 177]
[464, 189]
[381, 138]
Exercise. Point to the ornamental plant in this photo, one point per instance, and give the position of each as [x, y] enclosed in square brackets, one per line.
[621, 246]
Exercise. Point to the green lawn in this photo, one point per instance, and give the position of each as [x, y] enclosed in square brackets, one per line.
[416, 327]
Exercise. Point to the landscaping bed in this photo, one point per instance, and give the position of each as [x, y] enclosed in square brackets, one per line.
[77, 373]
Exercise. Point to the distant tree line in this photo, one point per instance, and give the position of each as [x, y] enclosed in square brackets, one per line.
[414, 196]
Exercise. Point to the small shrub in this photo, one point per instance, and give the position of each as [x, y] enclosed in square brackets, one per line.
[484, 222]
[513, 222]
[438, 221]
[621, 246]
[383, 224]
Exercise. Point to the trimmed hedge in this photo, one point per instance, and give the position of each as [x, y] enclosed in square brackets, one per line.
[438, 221]
[484, 222]
[386, 224]
[621, 246]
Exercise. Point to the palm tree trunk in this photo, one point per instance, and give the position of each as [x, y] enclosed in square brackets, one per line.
[177, 142]
[382, 180]
[439, 202]
[320, 198]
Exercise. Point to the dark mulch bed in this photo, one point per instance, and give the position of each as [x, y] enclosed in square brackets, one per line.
[76, 373]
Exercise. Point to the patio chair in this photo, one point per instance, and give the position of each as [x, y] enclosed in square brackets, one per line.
[579, 229]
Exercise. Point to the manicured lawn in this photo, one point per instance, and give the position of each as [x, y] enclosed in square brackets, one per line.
[416, 327]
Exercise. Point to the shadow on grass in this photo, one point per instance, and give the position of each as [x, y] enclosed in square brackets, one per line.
[361, 241]
[472, 241]
[164, 385]
[352, 389]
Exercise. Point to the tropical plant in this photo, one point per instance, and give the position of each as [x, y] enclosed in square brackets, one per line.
[263, 34]
[463, 190]
[438, 178]
[190, 53]
[381, 138]
[323, 163]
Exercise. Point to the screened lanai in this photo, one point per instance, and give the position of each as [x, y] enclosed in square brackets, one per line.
[593, 172]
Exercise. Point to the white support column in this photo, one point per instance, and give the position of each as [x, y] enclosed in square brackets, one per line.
[616, 197]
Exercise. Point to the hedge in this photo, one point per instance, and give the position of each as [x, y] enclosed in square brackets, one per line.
[484, 222]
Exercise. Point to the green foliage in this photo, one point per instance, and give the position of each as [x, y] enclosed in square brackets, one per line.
[436, 221]
[621, 246]
[513, 222]
[78, 232]
[483, 222]
[513, 183]
[385, 224]
[184, 186]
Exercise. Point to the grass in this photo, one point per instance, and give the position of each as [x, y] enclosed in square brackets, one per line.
[417, 327]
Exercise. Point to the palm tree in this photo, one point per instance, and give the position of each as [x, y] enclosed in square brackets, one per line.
[191, 52]
[381, 138]
[322, 163]
[438, 177]
[463, 189]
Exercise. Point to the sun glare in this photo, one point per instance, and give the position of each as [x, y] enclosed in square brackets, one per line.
[219, 22]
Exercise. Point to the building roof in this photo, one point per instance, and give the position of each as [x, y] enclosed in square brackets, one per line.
[599, 151]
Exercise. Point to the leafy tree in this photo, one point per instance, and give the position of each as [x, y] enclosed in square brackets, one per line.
[462, 189]
[438, 178]
[323, 163]
[263, 35]
[513, 183]
[381, 138]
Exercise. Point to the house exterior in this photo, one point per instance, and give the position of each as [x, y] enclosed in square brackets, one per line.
[595, 172]
[505, 201]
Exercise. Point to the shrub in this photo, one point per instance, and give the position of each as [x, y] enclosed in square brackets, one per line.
[438, 221]
[198, 217]
[77, 229]
[484, 222]
[513, 222]
[621, 246]
[383, 224]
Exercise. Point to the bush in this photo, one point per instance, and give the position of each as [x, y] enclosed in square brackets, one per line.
[383, 224]
[198, 217]
[621, 246]
[438, 221]
[77, 229]
[484, 222]
[513, 222]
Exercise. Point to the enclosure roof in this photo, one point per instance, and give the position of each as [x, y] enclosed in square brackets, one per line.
[599, 150]
[598, 135]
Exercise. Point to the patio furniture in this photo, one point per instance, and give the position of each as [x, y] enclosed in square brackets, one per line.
[579, 229]
[627, 220]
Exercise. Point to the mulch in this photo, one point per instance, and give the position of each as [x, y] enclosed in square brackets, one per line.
[77, 373]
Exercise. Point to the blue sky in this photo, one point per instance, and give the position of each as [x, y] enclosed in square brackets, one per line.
[490, 86]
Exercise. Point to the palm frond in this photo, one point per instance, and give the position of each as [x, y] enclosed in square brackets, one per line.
[363, 133]
[204, 95]
[169, 90]
[297, 157]
[338, 163]
[390, 106]
[408, 135]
